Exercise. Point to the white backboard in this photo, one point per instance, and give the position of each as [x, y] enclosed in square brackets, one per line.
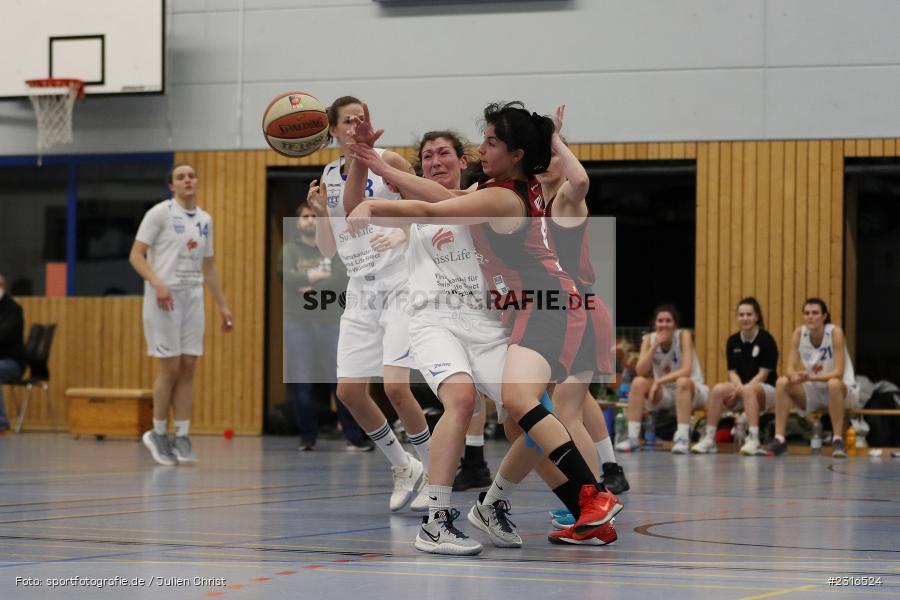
[114, 46]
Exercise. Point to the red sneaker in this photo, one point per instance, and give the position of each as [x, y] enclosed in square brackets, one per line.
[597, 508]
[605, 534]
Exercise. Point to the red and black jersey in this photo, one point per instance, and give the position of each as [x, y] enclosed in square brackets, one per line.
[522, 265]
[574, 252]
[573, 249]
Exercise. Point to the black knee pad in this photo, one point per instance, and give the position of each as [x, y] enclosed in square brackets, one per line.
[533, 417]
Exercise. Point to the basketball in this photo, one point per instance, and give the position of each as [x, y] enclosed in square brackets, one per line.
[295, 124]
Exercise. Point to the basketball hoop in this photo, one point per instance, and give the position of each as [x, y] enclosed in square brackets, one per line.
[53, 100]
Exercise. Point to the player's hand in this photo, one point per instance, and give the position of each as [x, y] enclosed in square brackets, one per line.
[664, 336]
[558, 119]
[317, 275]
[382, 242]
[651, 395]
[736, 391]
[317, 198]
[361, 129]
[227, 319]
[360, 218]
[800, 377]
[367, 156]
[164, 299]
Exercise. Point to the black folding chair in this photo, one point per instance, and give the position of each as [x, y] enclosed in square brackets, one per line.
[37, 355]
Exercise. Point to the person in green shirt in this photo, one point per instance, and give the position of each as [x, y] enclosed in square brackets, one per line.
[313, 285]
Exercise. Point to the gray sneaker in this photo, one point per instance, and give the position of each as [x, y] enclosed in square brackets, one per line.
[160, 447]
[183, 450]
[493, 519]
[837, 449]
[440, 536]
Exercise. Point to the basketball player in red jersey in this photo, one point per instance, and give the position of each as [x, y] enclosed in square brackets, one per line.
[509, 232]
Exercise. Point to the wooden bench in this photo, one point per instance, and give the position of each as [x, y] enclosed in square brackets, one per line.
[110, 412]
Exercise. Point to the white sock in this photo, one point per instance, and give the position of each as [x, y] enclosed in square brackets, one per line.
[422, 442]
[780, 439]
[182, 427]
[438, 498]
[754, 431]
[634, 430]
[160, 426]
[388, 443]
[711, 432]
[683, 432]
[605, 451]
[475, 440]
[501, 489]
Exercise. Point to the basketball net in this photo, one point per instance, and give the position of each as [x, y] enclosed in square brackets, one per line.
[53, 101]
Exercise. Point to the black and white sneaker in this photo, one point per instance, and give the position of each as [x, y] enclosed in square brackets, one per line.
[493, 519]
[440, 536]
[614, 478]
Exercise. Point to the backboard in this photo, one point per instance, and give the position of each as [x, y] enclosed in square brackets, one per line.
[114, 46]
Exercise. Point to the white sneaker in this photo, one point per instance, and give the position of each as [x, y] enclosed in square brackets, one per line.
[420, 502]
[679, 445]
[440, 536]
[406, 483]
[707, 445]
[751, 447]
[493, 519]
[628, 445]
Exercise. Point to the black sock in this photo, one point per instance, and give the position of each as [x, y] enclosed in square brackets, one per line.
[568, 459]
[474, 456]
[568, 493]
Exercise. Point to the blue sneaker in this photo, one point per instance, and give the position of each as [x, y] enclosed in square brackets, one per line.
[561, 518]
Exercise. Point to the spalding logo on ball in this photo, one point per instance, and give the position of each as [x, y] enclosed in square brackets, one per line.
[295, 124]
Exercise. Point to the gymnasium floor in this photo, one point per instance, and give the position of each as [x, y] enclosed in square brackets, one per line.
[274, 523]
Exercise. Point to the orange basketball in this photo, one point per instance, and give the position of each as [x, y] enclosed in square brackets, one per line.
[295, 124]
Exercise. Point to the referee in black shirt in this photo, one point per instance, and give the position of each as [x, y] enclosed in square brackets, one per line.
[752, 356]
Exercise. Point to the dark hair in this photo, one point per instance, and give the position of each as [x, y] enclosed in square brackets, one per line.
[821, 304]
[336, 106]
[751, 301]
[459, 145]
[175, 166]
[669, 308]
[519, 129]
[303, 204]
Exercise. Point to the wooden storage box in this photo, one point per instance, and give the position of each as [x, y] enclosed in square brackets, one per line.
[110, 412]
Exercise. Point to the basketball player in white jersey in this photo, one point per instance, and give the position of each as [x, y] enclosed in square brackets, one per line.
[668, 374]
[173, 253]
[374, 336]
[819, 375]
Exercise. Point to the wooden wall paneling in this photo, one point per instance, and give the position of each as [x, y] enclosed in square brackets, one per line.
[776, 236]
[722, 323]
[596, 152]
[701, 301]
[763, 228]
[258, 217]
[748, 217]
[812, 225]
[862, 148]
[890, 147]
[736, 247]
[837, 229]
[822, 226]
[876, 147]
[712, 250]
[797, 283]
[653, 151]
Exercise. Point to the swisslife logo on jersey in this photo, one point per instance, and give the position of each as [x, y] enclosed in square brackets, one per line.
[441, 239]
[192, 244]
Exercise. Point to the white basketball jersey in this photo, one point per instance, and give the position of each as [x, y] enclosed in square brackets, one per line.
[820, 359]
[665, 362]
[445, 269]
[355, 250]
[179, 240]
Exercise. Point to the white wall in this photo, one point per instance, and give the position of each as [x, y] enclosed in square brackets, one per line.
[629, 70]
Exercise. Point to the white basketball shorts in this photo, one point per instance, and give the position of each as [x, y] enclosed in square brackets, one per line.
[178, 331]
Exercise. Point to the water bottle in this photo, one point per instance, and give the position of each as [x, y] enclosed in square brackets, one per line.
[816, 441]
[739, 433]
[620, 428]
[624, 385]
[850, 441]
[649, 431]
